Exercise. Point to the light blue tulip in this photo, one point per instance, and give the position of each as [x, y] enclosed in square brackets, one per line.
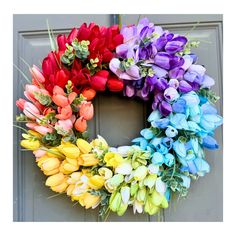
[157, 159]
[154, 116]
[169, 159]
[194, 110]
[193, 126]
[202, 166]
[179, 121]
[141, 142]
[195, 145]
[192, 167]
[171, 132]
[162, 149]
[186, 181]
[210, 143]
[179, 148]
[147, 133]
[196, 118]
[210, 121]
[155, 141]
[207, 108]
[150, 148]
[162, 123]
[190, 157]
[191, 98]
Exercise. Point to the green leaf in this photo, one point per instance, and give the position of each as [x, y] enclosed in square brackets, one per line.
[51, 38]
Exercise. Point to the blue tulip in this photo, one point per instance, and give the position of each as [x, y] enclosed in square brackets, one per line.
[167, 194]
[179, 148]
[202, 166]
[157, 159]
[154, 116]
[179, 106]
[179, 121]
[186, 181]
[161, 148]
[168, 142]
[142, 142]
[171, 132]
[155, 141]
[169, 159]
[193, 126]
[162, 123]
[210, 143]
[147, 134]
[194, 110]
[191, 98]
[207, 108]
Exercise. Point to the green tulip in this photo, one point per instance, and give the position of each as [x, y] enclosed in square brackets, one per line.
[164, 203]
[156, 198]
[115, 201]
[112, 183]
[140, 173]
[122, 209]
[133, 189]
[150, 180]
[149, 207]
[141, 194]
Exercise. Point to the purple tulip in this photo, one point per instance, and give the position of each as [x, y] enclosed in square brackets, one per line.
[122, 50]
[174, 83]
[177, 73]
[184, 87]
[161, 84]
[171, 94]
[161, 41]
[207, 82]
[159, 72]
[165, 108]
[176, 44]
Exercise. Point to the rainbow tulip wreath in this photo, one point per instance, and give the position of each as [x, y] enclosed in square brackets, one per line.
[140, 61]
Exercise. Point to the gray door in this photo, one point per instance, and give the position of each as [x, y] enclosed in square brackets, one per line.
[33, 201]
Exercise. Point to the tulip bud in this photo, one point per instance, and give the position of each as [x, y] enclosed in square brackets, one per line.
[88, 160]
[140, 173]
[98, 81]
[37, 75]
[99, 142]
[105, 173]
[141, 195]
[81, 124]
[70, 168]
[70, 189]
[60, 188]
[74, 177]
[133, 189]
[125, 194]
[122, 209]
[88, 93]
[115, 85]
[164, 203]
[96, 182]
[83, 145]
[125, 168]
[149, 207]
[115, 201]
[150, 180]
[69, 150]
[86, 110]
[113, 159]
[55, 180]
[51, 172]
[156, 198]
[50, 164]
[30, 144]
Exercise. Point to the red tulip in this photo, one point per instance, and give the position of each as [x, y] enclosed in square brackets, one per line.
[20, 103]
[81, 124]
[61, 78]
[61, 41]
[98, 81]
[115, 85]
[88, 93]
[73, 34]
[49, 65]
[86, 110]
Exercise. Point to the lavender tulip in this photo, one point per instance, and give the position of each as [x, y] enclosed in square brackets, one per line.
[165, 108]
[177, 73]
[161, 84]
[184, 87]
[176, 44]
[171, 94]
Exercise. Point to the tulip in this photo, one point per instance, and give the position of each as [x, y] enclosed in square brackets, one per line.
[179, 106]
[171, 94]
[171, 131]
[88, 93]
[39, 153]
[115, 85]
[64, 113]
[55, 180]
[122, 209]
[176, 44]
[210, 143]
[105, 173]
[154, 116]
[37, 75]
[112, 183]
[43, 130]
[191, 99]
[137, 206]
[70, 189]
[81, 125]
[50, 164]
[61, 42]
[88, 160]
[115, 201]
[96, 182]
[59, 97]
[160, 186]
[99, 80]
[69, 150]
[30, 144]
[147, 133]
[64, 126]
[150, 180]
[158, 158]
[70, 167]
[133, 188]
[124, 168]
[140, 173]
[30, 92]
[60, 188]
[141, 195]
[185, 87]
[179, 148]
[74, 177]
[125, 194]
[99, 142]
[149, 207]
[165, 108]
[30, 110]
[51, 172]
[86, 110]
[156, 198]
[169, 159]
[83, 145]
[153, 169]
[113, 159]
[88, 200]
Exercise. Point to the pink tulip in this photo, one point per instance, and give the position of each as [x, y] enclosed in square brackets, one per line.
[64, 113]
[30, 110]
[20, 103]
[66, 125]
[81, 124]
[39, 153]
[43, 130]
[31, 125]
[37, 75]
[86, 110]
[73, 118]
[30, 90]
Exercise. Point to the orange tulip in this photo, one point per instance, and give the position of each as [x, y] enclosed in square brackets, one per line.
[81, 124]
[64, 113]
[89, 93]
[86, 110]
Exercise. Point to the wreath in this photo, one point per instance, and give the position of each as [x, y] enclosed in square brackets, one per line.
[140, 61]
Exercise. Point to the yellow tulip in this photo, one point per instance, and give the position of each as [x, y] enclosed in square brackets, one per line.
[50, 164]
[88, 160]
[73, 162]
[99, 142]
[84, 146]
[41, 160]
[30, 144]
[54, 152]
[69, 150]
[55, 180]
[74, 177]
[96, 182]
[88, 200]
[35, 134]
[70, 189]
[113, 159]
[105, 172]
[51, 172]
[60, 188]
[62, 170]
[70, 168]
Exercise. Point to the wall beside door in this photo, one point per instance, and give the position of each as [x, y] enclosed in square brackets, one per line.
[33, 201]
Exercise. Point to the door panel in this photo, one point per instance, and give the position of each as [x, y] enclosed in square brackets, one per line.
[205, 199]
